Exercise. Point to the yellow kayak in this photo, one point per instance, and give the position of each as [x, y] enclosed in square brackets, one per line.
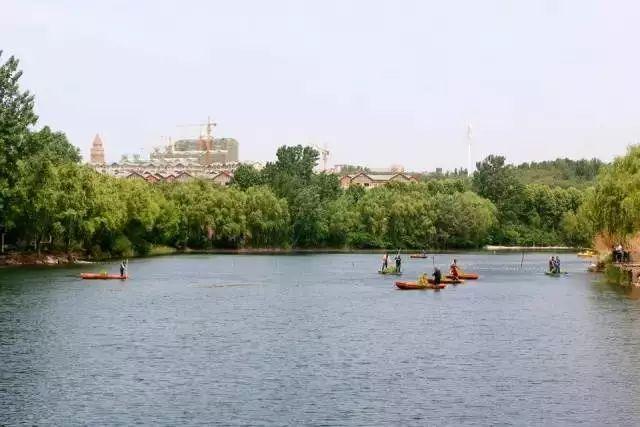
[587, 254]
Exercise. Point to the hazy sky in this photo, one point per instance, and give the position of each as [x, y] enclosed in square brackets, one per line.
[379, 82]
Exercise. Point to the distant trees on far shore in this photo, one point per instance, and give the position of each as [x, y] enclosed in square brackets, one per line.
[46, 195]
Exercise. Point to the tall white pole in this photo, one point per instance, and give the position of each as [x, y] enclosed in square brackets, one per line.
[469, 137]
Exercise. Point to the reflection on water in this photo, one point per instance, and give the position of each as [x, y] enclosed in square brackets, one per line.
[318, 339]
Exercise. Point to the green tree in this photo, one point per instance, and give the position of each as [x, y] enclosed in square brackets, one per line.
[246, 176]
[35, 196]
[494, 180]
[267, 218]
[614, 205]
[53, 144]
[309, 219]
[16, 115]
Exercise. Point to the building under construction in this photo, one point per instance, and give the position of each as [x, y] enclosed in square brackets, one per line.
[200, 150]
[205, 150]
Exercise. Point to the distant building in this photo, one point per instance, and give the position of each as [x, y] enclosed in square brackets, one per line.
[204, 151]
[206, 157]
[97, 151]
[368, 180]
[223, 178]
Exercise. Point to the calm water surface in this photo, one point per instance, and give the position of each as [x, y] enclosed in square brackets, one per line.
[317, 340]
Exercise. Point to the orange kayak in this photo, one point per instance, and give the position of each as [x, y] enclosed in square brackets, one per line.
[99, 276]
[465, 276]
[447, 281]
[414, 285]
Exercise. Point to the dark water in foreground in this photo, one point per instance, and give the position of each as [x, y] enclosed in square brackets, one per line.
[316, 340]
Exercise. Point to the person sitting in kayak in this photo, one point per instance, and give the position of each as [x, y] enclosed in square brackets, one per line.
[453, 269]
[398, 262]
[385, 261]
[437, 276]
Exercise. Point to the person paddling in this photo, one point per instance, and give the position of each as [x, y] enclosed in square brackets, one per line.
[454, 269]
[122, 268]
[437, 276]
[398, 262]
[385, 261]
[558, 264]
[552, 264]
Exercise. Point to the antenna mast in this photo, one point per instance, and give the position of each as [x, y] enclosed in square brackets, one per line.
[469, 138]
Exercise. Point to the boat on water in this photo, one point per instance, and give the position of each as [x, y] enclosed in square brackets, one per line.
[554, 274]
[391, 272]
[587, 254]
[415, 285]
[418, 256]
[447, 281]
[464, 276]
[103, 276]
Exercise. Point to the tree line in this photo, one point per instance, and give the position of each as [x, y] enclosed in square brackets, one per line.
[48, 198]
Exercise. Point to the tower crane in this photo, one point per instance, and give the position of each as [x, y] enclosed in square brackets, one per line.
[209, 125]
[325, 154]
[206, 142]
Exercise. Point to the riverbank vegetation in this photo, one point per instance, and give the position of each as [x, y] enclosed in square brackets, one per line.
[49, 200]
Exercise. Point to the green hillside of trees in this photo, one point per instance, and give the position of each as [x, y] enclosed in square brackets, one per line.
[563, 173]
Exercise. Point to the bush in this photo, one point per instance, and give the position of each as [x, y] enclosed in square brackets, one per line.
[122, 247]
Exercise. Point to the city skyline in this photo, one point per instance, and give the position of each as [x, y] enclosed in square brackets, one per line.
[379, 85]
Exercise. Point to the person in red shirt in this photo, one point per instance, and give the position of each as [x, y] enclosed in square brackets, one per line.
[454, 271]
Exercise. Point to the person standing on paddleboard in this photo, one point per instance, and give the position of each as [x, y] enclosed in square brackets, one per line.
[437, 276]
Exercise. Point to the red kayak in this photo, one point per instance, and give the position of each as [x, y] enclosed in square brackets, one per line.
[447, 281]
[464, 276]
[414, 285]
[100, 276]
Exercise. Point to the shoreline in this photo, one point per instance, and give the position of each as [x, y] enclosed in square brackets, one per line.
[28, 259]
[529, 248]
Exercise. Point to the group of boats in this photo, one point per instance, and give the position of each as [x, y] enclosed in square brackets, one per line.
[423, 282]
[426, 282]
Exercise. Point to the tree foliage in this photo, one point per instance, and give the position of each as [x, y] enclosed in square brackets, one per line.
[614, 205]
[47, 196]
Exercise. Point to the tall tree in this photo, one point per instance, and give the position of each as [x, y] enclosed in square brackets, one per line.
[16, 115]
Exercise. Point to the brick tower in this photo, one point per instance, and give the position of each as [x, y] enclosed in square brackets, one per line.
[97, 151]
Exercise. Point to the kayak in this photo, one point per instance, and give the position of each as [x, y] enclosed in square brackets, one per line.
[100, 276]
[587, 254]
[464, 276]
[447, 281]
[418, 256]
[415, 285]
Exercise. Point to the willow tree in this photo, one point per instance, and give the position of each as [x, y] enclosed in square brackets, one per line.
[614, 205]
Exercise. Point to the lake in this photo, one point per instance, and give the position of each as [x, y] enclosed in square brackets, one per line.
[317, 340]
